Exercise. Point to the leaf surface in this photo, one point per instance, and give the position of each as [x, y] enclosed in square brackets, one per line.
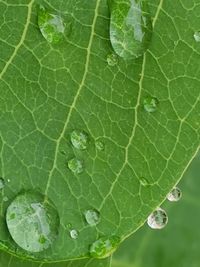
[47, 91]
[178, 244]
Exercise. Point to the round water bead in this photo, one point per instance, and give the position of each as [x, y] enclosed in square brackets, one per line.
[174, 195]
[75, 165]
[112, 59]
[157, 219]
[92, 217]
[104, 247]
[150, 104]
[79, 139]
[74, 234]
[32, 222]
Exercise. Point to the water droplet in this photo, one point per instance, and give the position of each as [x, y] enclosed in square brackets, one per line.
[99, 145]
[144, 181]
[175, 194]
[79, 139]
[197, 36]
[130, 27]
[5, 199]
[2, 183]
[150, 104]
[69, 225]
[74, 234]
[75, 165]
[92, 217]
[32, 222]
[157, 219]
[51, 26]
[104, 247]
[112, 59]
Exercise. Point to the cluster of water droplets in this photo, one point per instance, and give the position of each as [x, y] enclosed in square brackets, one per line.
[159, 219]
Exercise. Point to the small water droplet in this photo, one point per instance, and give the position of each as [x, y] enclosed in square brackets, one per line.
[92, 217]
[99, 145]
[74, 234]
[197, 36]
[75, 165]
[157, 219]
[79, 139]
[112, 59]
[32, 222]
[150, 104]
[69, 225]
[5, 199]
[130, 27]
[144, 181]
[104, 247]
[174, 195]
[2, 183]
[51, 26]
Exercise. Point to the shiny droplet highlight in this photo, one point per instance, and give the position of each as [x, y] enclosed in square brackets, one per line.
[197, 36]
[157, 219]
[174, 195]
[79, 139]
[51, 25]
[104, 247]
[32, 222]
[150, 104]
[75, 165]
[74, 234]
[130, 27]
[92, 217]
[112, 59]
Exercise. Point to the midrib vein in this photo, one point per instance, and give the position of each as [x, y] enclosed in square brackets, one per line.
[136, 112]
[77, 94]
[20, 42]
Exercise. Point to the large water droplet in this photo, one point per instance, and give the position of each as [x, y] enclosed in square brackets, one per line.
[104, 247]
[51, 26]
[79, 139]
[32, 223]
[75, 165]
[175, 194]
[157, 219]
[150, 104]
[197, 36]
[130, 27]
[112, 59]
[99, 145]
[2, 183]
[74, 234]
[92, 217]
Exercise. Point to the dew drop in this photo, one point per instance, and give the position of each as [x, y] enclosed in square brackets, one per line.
[130, 27]
[174, 195]
[75, 165]
[32, 222]
[51, 26]
[197, 36]
[104, 247]
[112, 59]
[79, 139]
[2, 183]
[150, 104]
[157, 219]
[99, 145]
[5, 199]
[144, 181]
[74, 234]
[92, 217]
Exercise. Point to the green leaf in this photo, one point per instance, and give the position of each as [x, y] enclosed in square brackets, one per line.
[7, 260]
[178, 244]
[49, 90]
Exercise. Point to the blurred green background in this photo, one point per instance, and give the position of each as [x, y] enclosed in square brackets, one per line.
[177, 245]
